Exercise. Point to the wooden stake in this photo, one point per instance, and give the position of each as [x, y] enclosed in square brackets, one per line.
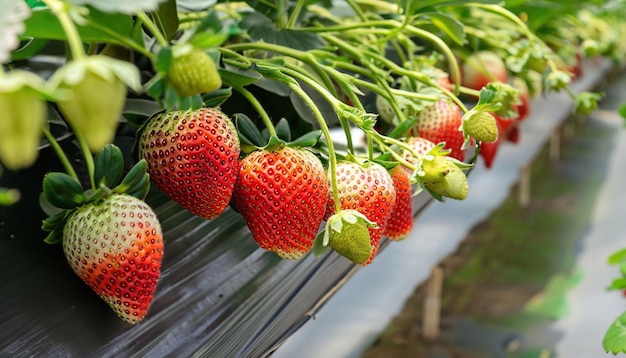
[524, 186]
[432, 304]
[555, 145]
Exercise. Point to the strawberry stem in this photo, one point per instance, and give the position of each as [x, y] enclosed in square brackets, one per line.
[331, 148]
[60, 8]
[88, 159]
[267, 121]
[61, 155]
[296, 12]
[153, 28]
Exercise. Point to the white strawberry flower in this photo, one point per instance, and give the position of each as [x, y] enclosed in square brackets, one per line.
[11, 26]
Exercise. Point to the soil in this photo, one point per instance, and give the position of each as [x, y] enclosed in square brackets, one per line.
[509, 278]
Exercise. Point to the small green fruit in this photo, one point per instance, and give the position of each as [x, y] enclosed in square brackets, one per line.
[348, 234]
[481, 126]
[192, 71]
[23, 118]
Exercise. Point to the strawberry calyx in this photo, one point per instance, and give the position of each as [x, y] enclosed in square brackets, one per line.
[63, 194]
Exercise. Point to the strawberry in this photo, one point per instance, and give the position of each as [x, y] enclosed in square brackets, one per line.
[193, 156]
[348, 234]
[192, 71]
[23, 118]
[368, 189]
[281, 193]
[482, 127]
[523, 107]
[400, 223]
[94, 95]
[420, 146]
[514, 135]
[115, 246]
[488, 152]
[440, 122]
[481, 68]
[443, 178]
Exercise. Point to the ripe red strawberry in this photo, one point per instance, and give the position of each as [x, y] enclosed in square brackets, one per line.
[514, 135]
[524, 95]
[282, 193]
[400, 223]
[440, 123]
[192, 71]
[115, 246]
[369, 190]
[481, 68]
[488, 151]
[193, 156]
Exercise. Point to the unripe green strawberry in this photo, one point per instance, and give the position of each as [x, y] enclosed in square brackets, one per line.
[193, 156]
[400, 223]
[115, 246]
[368, 189]
[348, 234]
[443, 177]
[481, 126]
[192, 71]
[23, 118]
[385, 111]
[95, 93]
[281, 193]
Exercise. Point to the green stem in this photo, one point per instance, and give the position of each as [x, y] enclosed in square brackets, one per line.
[370, 147]
[333, 101]
[267, 121]
[60, 8]
[331, 149]
[61, 155]
[153, 28]
[395, 155]
[88, 159]
[509, 15]
[296, 12]
[125, 41]
[357, 9]
[305, 57]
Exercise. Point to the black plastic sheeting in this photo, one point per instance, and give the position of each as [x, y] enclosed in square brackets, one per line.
[219, 295]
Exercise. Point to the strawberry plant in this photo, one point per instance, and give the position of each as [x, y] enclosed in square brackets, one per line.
[232, 106]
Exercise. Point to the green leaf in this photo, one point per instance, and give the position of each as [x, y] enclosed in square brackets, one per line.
[615, 337]
[319, 249]
[55, 221]
[216, 98]
[62, 191]
[43, 24]
[282, 130]
[449, 25]
[403, 127]
[208, 39]
[134, 178]
[129, 7]
[163, 60]
[166, 18]
[617, 257]
[622, 111]
[29, 48]
[248, 131]
[109, 165]
[140, 188]
[618, 284]
[235, 78]
[261, 28]
[55, 236]
[309, 139]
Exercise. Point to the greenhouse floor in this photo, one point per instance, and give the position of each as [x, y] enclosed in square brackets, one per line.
[556, 304]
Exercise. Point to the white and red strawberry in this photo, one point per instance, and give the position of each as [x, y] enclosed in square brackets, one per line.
[367, 188]
[439, 123]
[115, 246]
